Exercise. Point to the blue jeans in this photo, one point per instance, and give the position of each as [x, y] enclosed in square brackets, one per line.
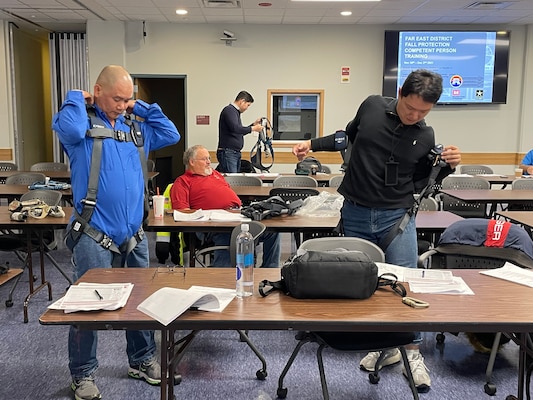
[88, 254]
[229, 160]
[271, 249]
[373, 224]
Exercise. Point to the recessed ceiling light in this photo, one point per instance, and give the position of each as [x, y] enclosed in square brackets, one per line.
[181, 12]
[346, 13]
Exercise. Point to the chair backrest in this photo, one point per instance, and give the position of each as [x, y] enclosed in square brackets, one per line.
[291, 194]
[50, 197]
[522, 184]
[295, 181]
[461, 245]
[256, 228]
[49, 166]
[335, 181]
[150, 165]
[25, 178]
[464, 209]
[476, 169]
[7, 166]
[373, 251]
[243, 180]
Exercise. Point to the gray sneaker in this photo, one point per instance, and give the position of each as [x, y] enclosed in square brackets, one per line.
[419, 371]
[85, 389]
[149, 371]
[368, 363]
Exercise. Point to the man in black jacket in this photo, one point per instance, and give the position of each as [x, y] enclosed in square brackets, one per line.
[231, 133]
[388, 164]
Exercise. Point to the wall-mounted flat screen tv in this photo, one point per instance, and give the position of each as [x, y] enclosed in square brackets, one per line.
[473, 64]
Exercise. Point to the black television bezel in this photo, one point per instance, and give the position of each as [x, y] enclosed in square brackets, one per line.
[501, 64]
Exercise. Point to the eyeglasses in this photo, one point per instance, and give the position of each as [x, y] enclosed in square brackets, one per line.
[205, 159]
[170, 269]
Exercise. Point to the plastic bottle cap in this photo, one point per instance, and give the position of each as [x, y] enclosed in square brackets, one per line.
[245, 227]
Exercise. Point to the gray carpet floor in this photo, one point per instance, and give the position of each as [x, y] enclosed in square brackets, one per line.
[218, 366]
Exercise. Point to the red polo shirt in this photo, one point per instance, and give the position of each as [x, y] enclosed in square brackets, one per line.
[206, 192]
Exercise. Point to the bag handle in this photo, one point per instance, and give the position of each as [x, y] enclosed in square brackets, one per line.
[389, 279]
[274, 285]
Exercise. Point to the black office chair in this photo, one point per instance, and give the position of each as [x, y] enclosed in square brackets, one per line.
[459, 207]
[7, 166]
[349, 341]
[256, 229]
[457, 248]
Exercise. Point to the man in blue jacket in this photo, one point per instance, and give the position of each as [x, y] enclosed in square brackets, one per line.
[107, 158]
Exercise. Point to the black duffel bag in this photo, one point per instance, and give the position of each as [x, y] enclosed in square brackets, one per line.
[330, 275]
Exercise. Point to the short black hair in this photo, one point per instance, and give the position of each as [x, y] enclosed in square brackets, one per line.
[423, 83]
[244, 95]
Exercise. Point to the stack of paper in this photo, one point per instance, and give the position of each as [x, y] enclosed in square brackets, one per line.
[209, 215]
[512, 273]
[427, 280]
[167, 303]
[94, 296]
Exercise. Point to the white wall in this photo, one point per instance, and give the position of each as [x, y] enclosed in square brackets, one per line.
[300, 57]
[305, 57]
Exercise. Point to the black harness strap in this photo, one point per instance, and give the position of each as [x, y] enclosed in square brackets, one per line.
[263, 145]
[401, 224]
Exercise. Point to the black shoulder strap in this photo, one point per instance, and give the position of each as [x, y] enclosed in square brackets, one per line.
[274, 285]
[400, 225]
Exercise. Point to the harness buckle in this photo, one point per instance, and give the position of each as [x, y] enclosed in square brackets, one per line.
[121, 136]
[106, 242]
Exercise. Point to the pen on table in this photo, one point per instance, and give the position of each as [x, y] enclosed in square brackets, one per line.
[98, 294]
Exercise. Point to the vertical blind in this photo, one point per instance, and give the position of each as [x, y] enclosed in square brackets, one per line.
[69, 70]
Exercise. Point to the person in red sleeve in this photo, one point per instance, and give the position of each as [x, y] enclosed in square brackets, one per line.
[201, 187]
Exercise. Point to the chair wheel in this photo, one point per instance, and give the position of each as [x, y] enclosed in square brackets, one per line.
[440, 337]
[373, 377]
[282, 393]
[261, 374]
[490, 388]
[177, 379]
[9, 303]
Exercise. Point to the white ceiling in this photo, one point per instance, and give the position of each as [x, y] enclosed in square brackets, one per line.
[71, 15]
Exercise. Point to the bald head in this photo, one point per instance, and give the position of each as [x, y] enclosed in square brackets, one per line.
[113, 74]
[113, 91]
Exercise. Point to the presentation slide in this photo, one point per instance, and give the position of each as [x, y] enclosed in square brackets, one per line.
[464, 59]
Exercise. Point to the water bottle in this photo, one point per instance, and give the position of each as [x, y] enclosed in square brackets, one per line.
[245, 262]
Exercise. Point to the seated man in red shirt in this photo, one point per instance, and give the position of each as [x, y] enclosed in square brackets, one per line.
[203, 187]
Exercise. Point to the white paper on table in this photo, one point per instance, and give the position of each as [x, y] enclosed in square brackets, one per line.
[167, 304]
[512, 273]
[197, 215]
[84, 297]
[456, 286]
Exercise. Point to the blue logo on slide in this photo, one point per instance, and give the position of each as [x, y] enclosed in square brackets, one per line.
[456, 81]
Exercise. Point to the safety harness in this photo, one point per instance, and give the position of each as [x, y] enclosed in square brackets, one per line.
[263, 145]
[401, 224]
[271, 207]
[99, 132]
